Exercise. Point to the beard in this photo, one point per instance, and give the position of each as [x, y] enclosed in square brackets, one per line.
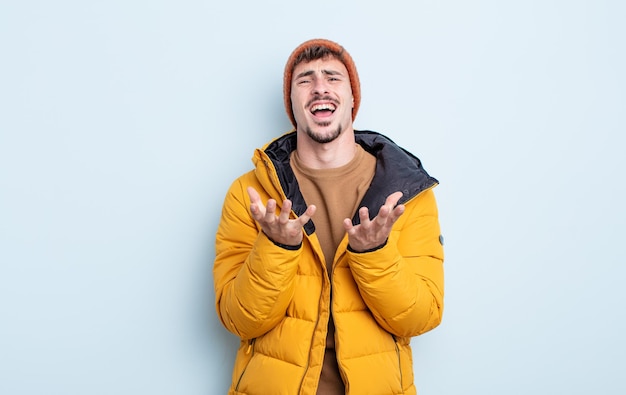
[323, 138]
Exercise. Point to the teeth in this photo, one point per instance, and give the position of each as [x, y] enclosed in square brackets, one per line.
[326, 106]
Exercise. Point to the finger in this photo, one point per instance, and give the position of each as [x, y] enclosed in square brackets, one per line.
[270, 211]
[393, 216]
[253, 194]
[398, 211]
[308, 214]
[347, 225]
[393, 199]
[388, 210]
[256, 205]
[364, 215]
[285, 210]
[383, 214]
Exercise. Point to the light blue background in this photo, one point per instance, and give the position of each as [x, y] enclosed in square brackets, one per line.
[122, 123]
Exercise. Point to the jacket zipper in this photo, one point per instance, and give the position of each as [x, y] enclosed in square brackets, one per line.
[306, 368]
[248, 350]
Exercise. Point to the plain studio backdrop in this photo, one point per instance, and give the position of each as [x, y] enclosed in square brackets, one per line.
[122, 123]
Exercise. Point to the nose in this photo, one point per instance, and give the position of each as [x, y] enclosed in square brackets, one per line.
[320, 86]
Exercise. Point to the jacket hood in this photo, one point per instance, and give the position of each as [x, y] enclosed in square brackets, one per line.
[396, 170]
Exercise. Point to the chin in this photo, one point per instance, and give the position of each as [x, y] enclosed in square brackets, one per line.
[323, 134]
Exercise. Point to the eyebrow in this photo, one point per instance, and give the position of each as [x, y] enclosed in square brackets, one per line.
[311, 72]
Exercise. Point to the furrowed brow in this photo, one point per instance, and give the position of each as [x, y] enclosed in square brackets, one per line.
[304, 74]
[309, 73]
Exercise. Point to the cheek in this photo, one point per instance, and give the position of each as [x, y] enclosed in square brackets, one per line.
[296, 106]
[298, 101]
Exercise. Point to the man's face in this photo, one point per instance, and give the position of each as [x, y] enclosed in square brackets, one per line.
[321, 99]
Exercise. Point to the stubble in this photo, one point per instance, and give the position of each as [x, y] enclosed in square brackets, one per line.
[323, 138]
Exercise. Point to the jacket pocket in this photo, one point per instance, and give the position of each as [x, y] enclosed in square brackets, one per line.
[405, 362]
[399, 361]
[246, 355]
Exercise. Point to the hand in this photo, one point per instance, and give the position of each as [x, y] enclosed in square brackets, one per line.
[279, 229]
[373, 233]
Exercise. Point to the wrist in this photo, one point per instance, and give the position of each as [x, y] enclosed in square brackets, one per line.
[290, 247]
[364, 251]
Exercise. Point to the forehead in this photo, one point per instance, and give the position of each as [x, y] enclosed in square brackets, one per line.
[320, 65]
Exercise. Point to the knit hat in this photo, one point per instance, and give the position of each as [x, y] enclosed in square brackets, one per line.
[335, 49]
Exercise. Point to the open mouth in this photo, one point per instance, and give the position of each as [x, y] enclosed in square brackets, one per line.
[323, 109]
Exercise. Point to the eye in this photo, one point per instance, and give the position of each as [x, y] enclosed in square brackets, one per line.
[303, 82]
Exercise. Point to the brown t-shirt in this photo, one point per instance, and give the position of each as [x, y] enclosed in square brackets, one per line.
[336, 193]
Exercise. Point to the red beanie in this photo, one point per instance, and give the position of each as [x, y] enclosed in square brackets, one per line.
[335, 49]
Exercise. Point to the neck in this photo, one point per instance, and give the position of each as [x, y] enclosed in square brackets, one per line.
[331, 155]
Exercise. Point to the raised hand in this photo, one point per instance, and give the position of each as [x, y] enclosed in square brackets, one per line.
[279, 229]
[373, 233]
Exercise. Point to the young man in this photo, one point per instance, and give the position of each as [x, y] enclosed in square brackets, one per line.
[328, 254]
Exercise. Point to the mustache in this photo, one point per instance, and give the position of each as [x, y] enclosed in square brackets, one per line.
[322, 98]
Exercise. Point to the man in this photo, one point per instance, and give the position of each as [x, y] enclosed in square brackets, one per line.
[328, 254]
